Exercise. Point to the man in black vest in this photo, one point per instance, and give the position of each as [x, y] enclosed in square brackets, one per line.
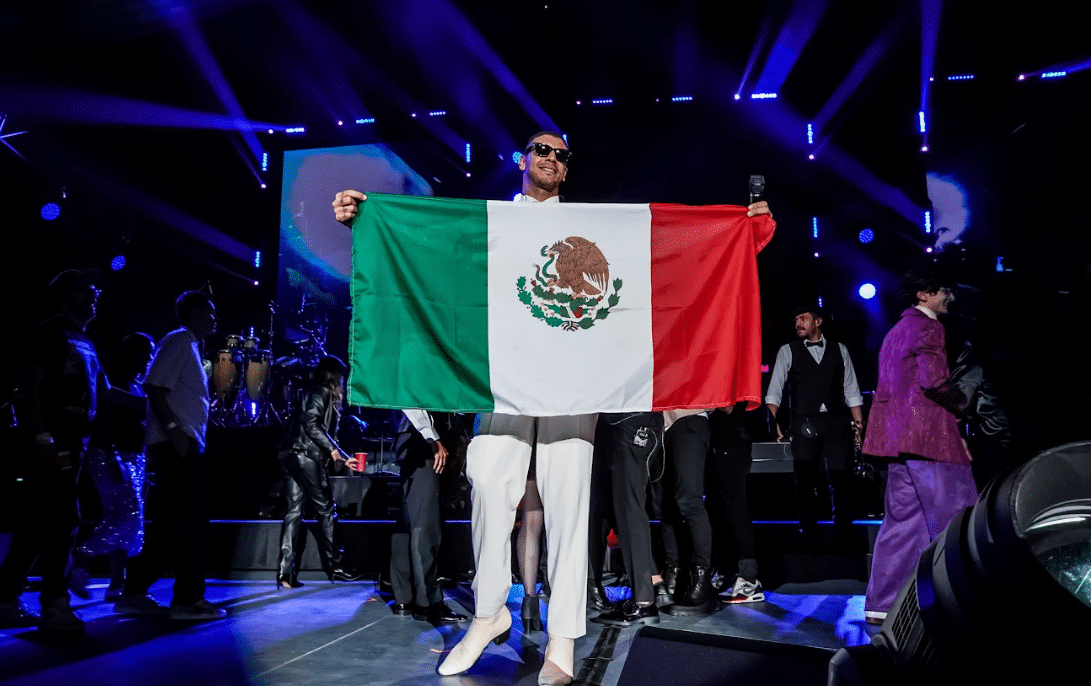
[823, 393]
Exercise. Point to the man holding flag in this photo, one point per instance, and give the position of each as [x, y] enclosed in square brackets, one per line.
[525, 405]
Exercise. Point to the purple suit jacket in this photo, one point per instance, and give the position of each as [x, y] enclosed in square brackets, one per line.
[913, 361]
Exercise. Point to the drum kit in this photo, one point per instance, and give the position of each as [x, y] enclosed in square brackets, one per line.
[251, 387]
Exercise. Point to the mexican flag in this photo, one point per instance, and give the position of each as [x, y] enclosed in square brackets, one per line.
[547, 309]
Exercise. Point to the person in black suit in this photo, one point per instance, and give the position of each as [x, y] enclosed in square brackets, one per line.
[414, 547]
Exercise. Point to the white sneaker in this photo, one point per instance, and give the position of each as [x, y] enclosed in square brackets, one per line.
[744, 592]
[139, 605]
[59, 618]
[202, 609]
[872, 617]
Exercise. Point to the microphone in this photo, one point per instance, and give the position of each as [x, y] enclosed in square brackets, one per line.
[757, 188]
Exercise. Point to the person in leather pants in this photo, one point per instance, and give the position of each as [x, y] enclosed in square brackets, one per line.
[304, 456]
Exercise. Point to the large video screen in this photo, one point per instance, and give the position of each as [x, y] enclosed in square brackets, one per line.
[315, 250]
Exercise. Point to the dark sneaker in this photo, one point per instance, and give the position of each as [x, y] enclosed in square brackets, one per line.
[345, 575]
[200, 610]
[15, 615]
[744, 592]
[59, 618]
[628, 613]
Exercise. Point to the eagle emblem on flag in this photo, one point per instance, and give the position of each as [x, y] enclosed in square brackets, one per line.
[572, 288]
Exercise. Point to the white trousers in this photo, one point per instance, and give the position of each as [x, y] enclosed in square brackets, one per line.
[496, 465]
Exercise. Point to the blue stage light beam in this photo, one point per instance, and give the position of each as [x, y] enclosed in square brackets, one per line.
[755, 52]
[866, 236]
[776, 118]
[931, 10]
[792, 38]
[459, 59]
[1058, 71]
[867, 291]
[185, 25]
[326, 73]
[864, 66]
[5, 136]
[73, 106]
[118, 263]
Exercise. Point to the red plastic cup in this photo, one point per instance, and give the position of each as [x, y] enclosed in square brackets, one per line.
[361, 462]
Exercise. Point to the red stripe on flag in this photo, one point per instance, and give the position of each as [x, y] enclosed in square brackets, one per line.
[706, 309]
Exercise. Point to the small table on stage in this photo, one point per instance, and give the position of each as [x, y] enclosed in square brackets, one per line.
[349, 492]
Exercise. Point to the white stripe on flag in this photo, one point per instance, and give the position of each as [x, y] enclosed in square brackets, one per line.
[540, 370]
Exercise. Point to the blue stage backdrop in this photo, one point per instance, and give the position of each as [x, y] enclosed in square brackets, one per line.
[315, 250]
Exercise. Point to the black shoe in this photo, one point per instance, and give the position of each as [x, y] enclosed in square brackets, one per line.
[700, 599]
[670, 579]
[596, 598]
[402, 609]
[531, 614]
[544, 592]
[629, 613]
[340, 574]
[437, 613]
[288, 582]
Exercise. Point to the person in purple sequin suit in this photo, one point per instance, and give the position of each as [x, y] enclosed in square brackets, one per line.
[929, 479]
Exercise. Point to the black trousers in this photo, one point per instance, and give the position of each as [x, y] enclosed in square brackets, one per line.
[822, 476]
[619, 481]
[305, 483]
[687, 443]
[44, 530]
[414, 546]
[176, 532]
[725, 487]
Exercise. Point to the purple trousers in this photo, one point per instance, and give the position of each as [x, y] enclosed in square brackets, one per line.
[922, 497]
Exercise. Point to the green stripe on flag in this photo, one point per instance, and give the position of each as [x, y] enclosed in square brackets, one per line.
[419, 334]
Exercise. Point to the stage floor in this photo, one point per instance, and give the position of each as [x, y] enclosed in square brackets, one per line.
[344, 633]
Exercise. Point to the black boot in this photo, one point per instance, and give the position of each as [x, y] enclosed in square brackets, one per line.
[700, 599]
[596, 597]
[531, 614]
[665, 589]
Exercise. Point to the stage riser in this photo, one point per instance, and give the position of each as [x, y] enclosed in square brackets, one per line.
[247, 549]
[664, 656]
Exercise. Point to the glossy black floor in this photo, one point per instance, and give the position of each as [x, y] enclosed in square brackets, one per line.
[344, 633]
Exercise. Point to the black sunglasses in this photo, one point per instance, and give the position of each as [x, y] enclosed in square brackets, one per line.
[543, 150]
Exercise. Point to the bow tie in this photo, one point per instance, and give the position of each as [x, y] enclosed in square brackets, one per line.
[809, 344]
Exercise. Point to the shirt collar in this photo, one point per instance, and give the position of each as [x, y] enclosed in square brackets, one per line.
[930, 313]
[521, 197]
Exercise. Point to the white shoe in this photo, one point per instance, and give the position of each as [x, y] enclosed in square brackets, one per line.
[874, 617]
[557, 666]
[482, 631]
